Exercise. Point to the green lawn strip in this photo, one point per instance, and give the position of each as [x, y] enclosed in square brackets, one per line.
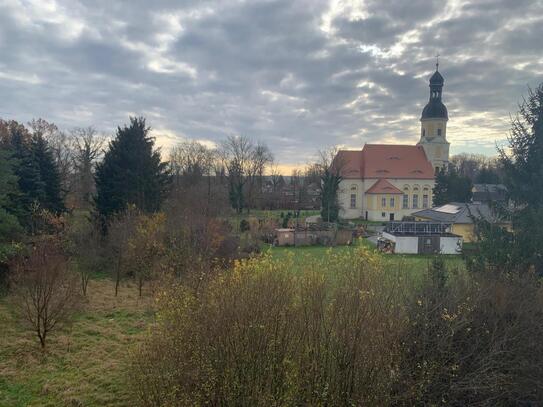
[85, 363]
[398, 262]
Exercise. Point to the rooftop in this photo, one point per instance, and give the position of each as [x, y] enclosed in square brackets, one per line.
[384, 161]
[459, 213]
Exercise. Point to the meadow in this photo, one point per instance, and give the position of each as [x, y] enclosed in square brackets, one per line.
[85, 363]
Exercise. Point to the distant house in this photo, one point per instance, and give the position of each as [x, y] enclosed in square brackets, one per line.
[461, 217]
[489, 193]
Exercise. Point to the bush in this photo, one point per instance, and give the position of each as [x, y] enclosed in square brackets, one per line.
[474, 341]
[244, 225]
[344, 331]
[262, 335]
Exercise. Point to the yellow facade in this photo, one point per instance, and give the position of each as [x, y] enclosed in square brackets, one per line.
[371, 205]
[466, 230]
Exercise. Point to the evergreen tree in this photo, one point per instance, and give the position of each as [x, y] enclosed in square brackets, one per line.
[450, 186]
[131, 173]
[49, 175]
[10, 228]
[523, 171]
[330, 181]
[31, 187]
[440, 193]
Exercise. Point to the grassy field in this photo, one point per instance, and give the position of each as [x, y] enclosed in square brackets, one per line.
[401, 262]
[84, 364]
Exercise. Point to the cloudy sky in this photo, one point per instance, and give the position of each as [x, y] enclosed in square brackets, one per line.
[300, 75]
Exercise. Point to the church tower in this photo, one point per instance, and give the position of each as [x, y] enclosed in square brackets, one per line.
[433, 137]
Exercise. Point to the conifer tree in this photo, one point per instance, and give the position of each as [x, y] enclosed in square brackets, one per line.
[31, 187]
[450, 186]
[330, 181]
[131, 173]
[49, 175]
[9, 224]
[522, 248]
[440, 193]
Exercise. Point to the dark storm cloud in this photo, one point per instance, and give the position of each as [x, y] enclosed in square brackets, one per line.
[300, 75]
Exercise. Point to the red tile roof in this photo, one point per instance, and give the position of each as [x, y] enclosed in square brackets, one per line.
[382, 186]
[384, 161]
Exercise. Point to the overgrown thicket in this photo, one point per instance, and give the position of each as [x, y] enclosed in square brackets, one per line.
[344, 332]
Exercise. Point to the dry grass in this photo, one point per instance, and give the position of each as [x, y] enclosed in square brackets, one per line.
[84, 364]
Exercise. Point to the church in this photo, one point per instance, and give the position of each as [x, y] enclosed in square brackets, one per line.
[385, 182]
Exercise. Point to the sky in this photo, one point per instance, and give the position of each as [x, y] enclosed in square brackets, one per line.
[299, 75]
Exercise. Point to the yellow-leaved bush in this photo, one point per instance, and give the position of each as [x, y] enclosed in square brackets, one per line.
[338, 330]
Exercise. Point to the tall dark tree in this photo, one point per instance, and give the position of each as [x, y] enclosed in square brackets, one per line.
[330, 181]
[10, 228]
[131, 173]
[522, 248]
[18, 141]
[330, 166]
[488, 175]
[450, 186]
[49, 175]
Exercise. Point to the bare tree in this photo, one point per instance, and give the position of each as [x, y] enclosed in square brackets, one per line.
[84, 242]
[121, 228]
[44, 289]
[261, 158]
[244, 162]
[236, 153]
[88, 146]
[190, 161]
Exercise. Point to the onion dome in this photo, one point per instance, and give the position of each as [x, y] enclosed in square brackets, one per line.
[435, 109]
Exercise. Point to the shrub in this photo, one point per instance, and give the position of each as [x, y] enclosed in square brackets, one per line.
[244, 225]
[345, 331]
[474, 341]
[262, 335]
[45, 291]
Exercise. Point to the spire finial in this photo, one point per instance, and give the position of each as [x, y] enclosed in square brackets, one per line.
[437, 61]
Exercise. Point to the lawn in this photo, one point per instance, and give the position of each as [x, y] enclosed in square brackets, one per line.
[84, 364]
[404, 262]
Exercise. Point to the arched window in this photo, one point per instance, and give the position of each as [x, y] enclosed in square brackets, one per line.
[353, 195]
[426, 196]
[405, 197]
[415, 197]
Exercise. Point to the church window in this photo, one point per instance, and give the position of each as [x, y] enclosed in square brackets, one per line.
[425, 201]
[439, 132]
[423, 132]
[405, 203]
[415, 201]
[383, 214]
[353, 201]
[392, 202]
[383, 202]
